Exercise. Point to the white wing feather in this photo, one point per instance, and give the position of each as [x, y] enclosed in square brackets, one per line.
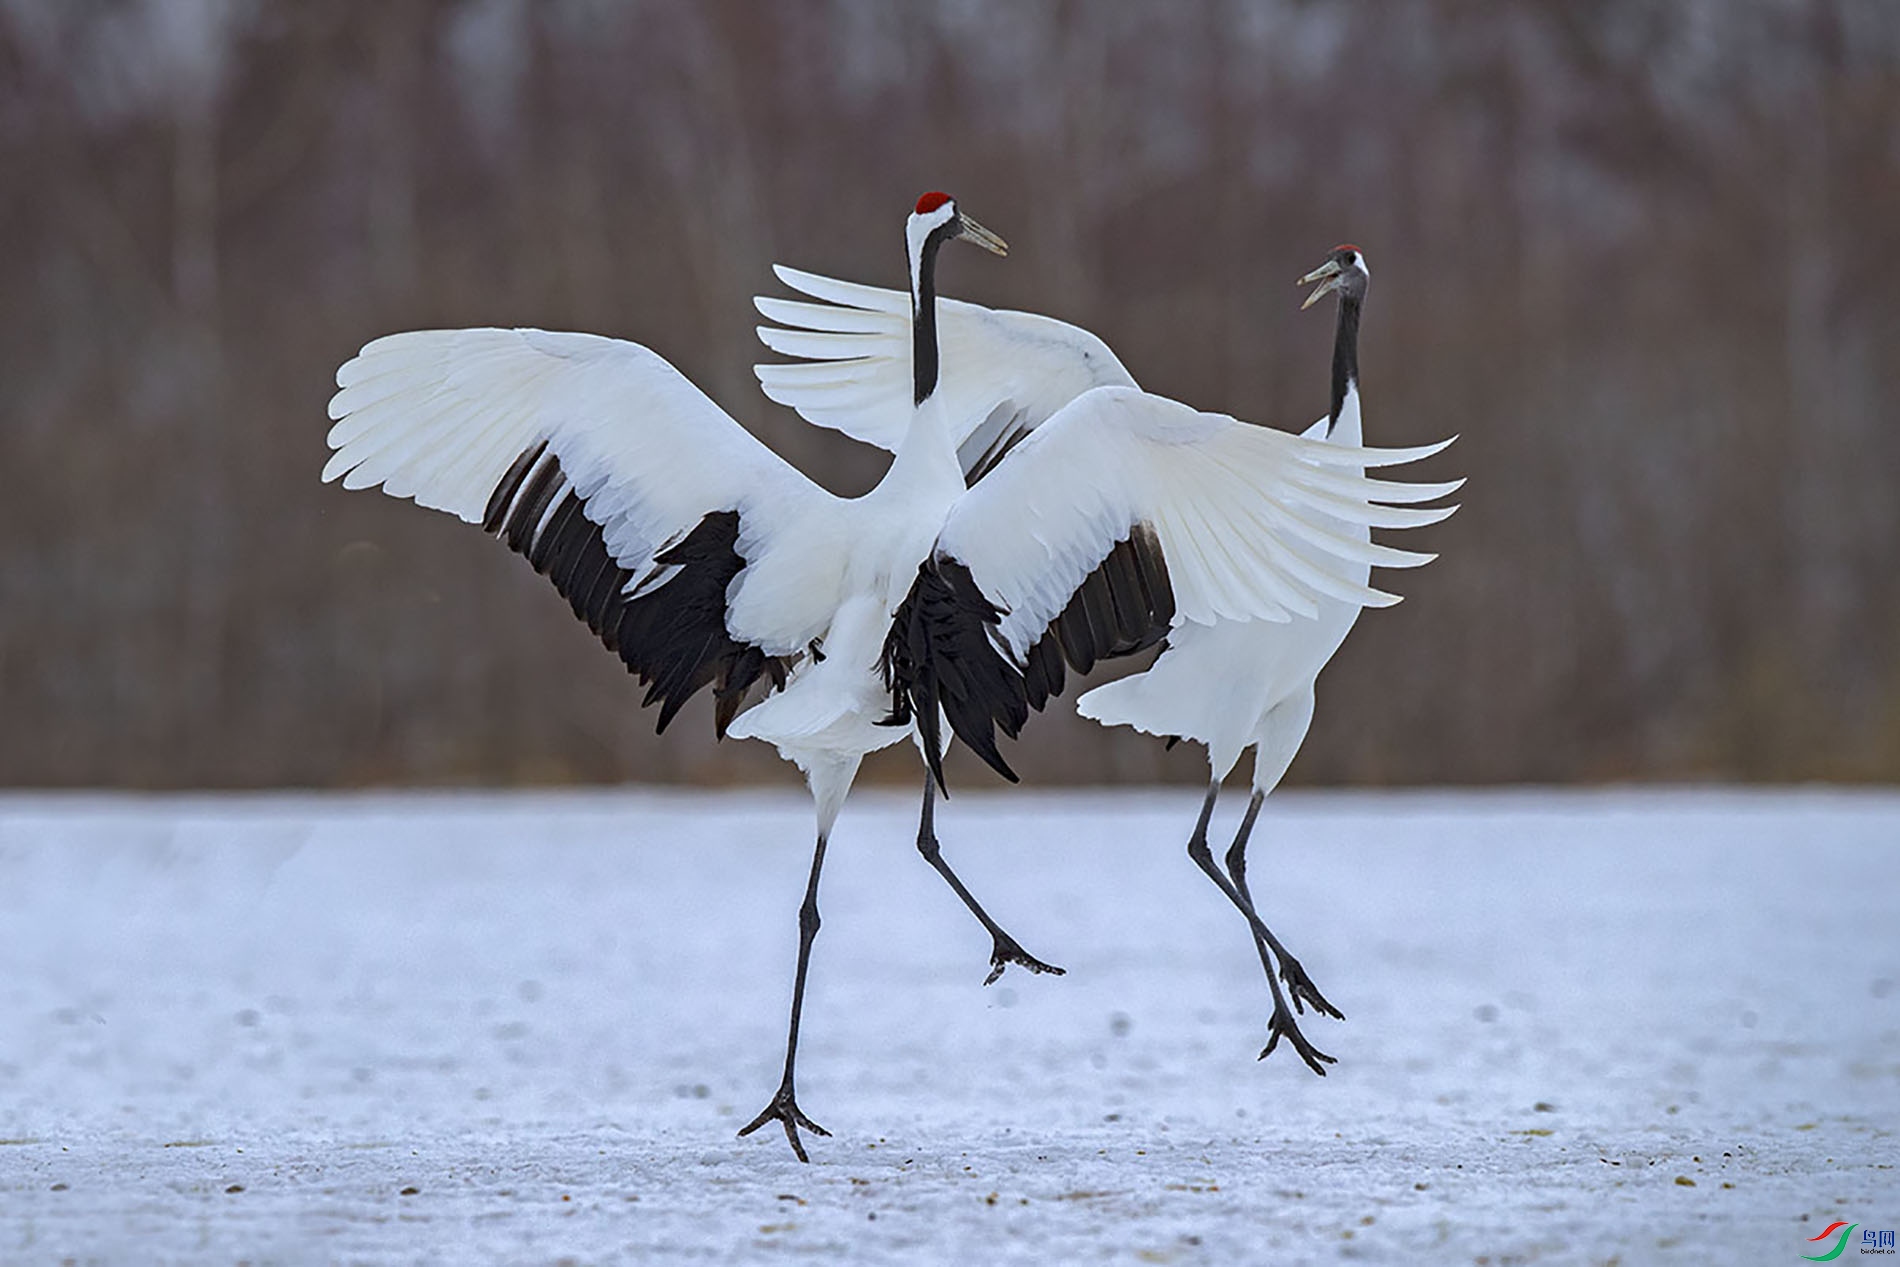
[1000, 373]
[440, 416]
[1233, 505]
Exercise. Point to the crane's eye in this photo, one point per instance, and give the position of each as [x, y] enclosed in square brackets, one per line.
[1348, 258]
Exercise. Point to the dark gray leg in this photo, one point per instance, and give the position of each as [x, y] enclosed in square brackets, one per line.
[1299, 985]
[784, 1105]
[1004, 949]
[1281, 1022]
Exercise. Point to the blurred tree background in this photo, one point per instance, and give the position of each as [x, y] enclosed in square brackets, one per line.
[1644, 255]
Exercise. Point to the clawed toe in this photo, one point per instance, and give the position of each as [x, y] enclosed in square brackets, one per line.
[784, 1109]
[1007, 952]
[1303, 991]
[1282, 1025]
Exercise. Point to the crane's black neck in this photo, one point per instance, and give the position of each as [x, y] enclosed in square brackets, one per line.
[923, 325]
[1345, 354]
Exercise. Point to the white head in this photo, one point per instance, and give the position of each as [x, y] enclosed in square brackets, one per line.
[937, 221]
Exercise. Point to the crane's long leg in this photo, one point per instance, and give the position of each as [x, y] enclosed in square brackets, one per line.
[1281, 1022]
[1298, 983]
[1004, 948]
[784, 1106]
[1299, 986]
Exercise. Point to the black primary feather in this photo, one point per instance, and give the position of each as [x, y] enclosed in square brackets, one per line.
[672, 636]
[1122, 608]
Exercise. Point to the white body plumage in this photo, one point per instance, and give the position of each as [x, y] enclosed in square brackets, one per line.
[1235, 685]
[1227, 679]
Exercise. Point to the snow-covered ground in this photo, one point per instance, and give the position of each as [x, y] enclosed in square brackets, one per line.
[1620, 1027]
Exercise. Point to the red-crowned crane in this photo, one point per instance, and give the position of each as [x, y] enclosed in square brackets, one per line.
[703, 559]
[1229, 684]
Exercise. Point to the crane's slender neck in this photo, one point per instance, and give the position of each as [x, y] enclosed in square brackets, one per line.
[1345, 355]
[923, 324]
[925, 467]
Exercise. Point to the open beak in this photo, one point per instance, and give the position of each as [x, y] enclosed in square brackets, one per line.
[974, 232]
[1327, 275]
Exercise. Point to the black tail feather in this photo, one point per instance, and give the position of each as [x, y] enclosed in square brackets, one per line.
[939, 655]
[941, 652]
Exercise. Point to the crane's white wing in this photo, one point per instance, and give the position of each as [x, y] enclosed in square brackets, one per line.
[1001, 374]
[694, 551]
[1124, 515]
[1231, 506]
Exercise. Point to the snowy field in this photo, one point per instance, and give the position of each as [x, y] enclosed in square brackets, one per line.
[1582, 1028]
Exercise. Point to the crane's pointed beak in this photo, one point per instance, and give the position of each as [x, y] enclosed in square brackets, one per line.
[1327, 275]
[971, 231]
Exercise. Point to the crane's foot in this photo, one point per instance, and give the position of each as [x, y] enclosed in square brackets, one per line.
[784, 1108]
[1302, 990]
[1007, 952]
[1282, 1025]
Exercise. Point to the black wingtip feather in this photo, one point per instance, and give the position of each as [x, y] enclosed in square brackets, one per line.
[1122, 608]
[494, 516]
[673, 637]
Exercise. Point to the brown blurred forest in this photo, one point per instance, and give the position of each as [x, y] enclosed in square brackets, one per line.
[1644, 255]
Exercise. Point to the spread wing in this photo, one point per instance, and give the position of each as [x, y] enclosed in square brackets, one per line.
[1124, 515]
[691, 549]
[1001, 373]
